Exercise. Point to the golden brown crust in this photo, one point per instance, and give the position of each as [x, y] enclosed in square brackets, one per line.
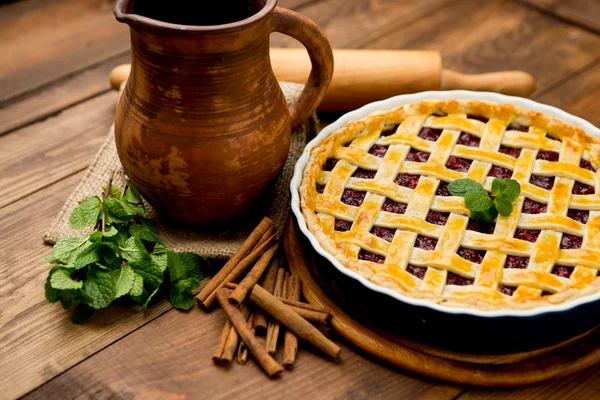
[350, 145]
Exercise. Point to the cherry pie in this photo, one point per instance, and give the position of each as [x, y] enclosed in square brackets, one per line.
[375, 195]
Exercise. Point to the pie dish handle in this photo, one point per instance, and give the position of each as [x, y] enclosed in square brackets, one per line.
[321, 57]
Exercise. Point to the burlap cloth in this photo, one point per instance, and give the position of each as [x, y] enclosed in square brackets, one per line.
[219, 241]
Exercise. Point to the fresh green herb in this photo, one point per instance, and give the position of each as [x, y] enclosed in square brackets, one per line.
[122, 258]
[483, 207]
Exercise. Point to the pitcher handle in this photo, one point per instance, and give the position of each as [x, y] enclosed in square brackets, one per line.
[321, 57]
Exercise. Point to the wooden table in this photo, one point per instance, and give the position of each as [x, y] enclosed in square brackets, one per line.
[55, 111]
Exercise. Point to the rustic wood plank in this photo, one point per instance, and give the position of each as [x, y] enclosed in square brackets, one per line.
[351, 24]
[55, 39]
[499, 35]
[43, 153]
[172, 357]
[584, 385]
[58, 95]
[585, 13]
[577, 95]
[37, 339]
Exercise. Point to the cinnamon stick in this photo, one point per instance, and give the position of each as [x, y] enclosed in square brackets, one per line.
[295, 323]
[307, 311]
[290, 342]
[243, 349]
[268, 283]
[273, 328]
[270, 232]
[232, 340]
[244, 249]
[239, 269]
[221, 345]
[267, 363]
[246, 285]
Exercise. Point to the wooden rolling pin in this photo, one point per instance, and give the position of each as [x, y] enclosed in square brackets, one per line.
[364, 76]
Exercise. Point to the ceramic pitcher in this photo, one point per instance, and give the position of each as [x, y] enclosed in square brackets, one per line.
[202, 126]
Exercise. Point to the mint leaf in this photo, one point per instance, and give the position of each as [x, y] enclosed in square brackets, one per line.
[478, 201]
[65, 250]
[61, 280]
[485, 216]
[180, 294]
[115, 212]
[104, 253]
[503, 206]
[137, 287]
[186, 265]
[509, 189]
[461, 187]
[52, 295]
[133, 250]
[115, 192]
[125, 281]
[132, 195]
[134, 208]
[101, 287]
[82, 314]
[86, 213]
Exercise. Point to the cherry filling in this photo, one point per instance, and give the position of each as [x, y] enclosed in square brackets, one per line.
[545, 293]
[320, 188]
[439, 113]
[384, 233]
[329, 164]
[455, 279]
[562, 271]
[517, 127]
[547, 155]
[430, 134]
[533, 207]
[417, 156]
[437, 218]
[368, 256]
[516, 262]
[419, 272]
[378, 150]
[585, 164]
[425, 243]
[442, 190]
[527, 234]
[364, 173]
[392, 207]
[570, 241]
[480, 226]
[546, 182]
[409, 181]
[459, 164]
[478, 118]
[500, 172]
[341, 225]
[353, 197]
[511, 151]
[475, 256]
[582, 188]
[579, 215]
[467, 139]
[507, 290]
[391, 131]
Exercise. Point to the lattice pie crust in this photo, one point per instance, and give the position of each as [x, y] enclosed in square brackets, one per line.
[374, 194]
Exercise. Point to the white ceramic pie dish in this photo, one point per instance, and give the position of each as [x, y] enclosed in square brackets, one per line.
[414, 98]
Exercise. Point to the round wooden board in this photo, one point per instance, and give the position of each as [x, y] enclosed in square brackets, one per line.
[507, 370]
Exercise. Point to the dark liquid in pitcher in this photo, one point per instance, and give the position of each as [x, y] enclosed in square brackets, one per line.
[197, 12]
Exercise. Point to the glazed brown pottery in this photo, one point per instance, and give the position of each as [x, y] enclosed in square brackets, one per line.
[202, 126]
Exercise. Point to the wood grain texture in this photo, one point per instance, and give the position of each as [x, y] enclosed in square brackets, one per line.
[44, 41]
[37, 339]
[43, 153]
[585, 13]
[499, 35]
[173, 355]
[57, 95]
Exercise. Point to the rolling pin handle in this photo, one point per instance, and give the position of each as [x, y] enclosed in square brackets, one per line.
[118, 75]
[514, 83]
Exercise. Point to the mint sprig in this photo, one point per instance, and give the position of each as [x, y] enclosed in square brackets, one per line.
[122, 258]
[484, 208]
